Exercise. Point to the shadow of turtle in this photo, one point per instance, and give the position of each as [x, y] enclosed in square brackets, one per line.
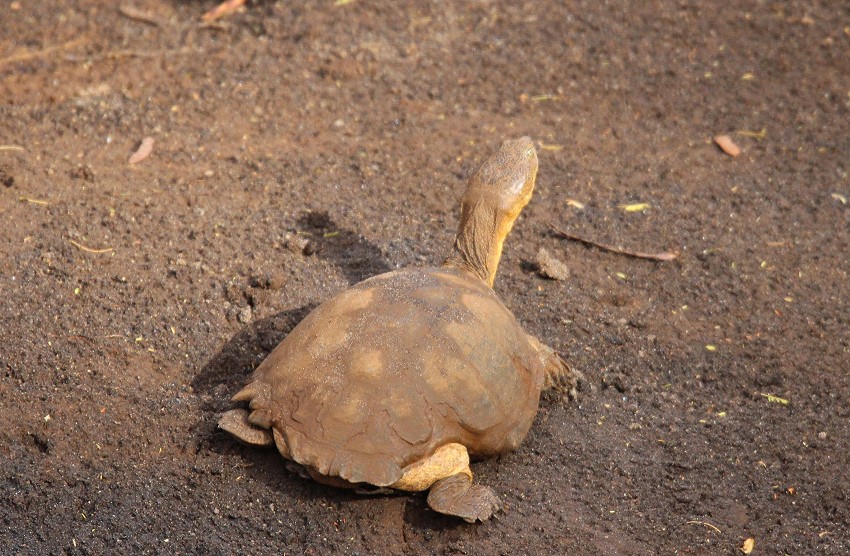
[227, 372]
[229, 369]
[351, 253]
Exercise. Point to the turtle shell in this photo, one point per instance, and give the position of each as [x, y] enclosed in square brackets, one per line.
[389, 370]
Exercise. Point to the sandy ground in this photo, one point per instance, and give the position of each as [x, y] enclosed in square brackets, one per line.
[137, 298]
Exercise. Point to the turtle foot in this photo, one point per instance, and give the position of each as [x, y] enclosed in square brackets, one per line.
[561, 378]
[457, 496]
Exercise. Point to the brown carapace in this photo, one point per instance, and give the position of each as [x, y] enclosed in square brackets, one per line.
[398, 380]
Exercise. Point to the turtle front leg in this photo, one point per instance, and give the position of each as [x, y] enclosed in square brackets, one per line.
[560, 377]
[557, 375]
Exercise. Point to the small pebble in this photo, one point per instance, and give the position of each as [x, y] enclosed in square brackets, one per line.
[550, 267]
[245, 315]
[822, 435]
[299, 244]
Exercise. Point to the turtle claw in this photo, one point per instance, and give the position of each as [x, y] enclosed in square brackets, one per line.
[457, 496]
[560, 377]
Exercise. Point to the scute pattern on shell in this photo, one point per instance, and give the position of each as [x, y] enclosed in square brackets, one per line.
[384, 373]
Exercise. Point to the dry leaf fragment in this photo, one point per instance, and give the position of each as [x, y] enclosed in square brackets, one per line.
[539, 98]
[727, 145]
[635, 207]
[575, 204]
[547, 147]
[748, 545]
[144, 150]
[775, 399]
[839, 197]
[755, 134]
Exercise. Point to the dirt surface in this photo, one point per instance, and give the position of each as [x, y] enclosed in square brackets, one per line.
[137, 299]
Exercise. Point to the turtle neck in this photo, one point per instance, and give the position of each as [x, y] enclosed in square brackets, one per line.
[478, 243]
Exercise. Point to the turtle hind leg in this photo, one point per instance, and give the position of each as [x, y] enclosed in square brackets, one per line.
[236, 422]
[457, 496]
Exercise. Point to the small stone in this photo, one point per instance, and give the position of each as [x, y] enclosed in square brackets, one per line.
[83, 172]
[299, 244]
[245, 315]
[550, 267]
[261, 282]
[6, 179]
[822, 435]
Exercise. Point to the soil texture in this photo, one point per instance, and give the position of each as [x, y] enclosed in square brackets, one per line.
[299, 147]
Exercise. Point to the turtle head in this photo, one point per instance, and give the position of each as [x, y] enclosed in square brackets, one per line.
[494, 197]
[505, 181]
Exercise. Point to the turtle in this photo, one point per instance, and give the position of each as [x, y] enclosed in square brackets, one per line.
[397, 381]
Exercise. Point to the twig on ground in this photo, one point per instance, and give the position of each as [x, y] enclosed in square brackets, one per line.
[136, 14]
[222, 9]
[11, 148]
[666, 256]
[31, 200]
[707, 524]
[32, 54]
[89, 249]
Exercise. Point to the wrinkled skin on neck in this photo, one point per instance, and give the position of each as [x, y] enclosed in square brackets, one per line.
[494, 197]
[478, 244]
